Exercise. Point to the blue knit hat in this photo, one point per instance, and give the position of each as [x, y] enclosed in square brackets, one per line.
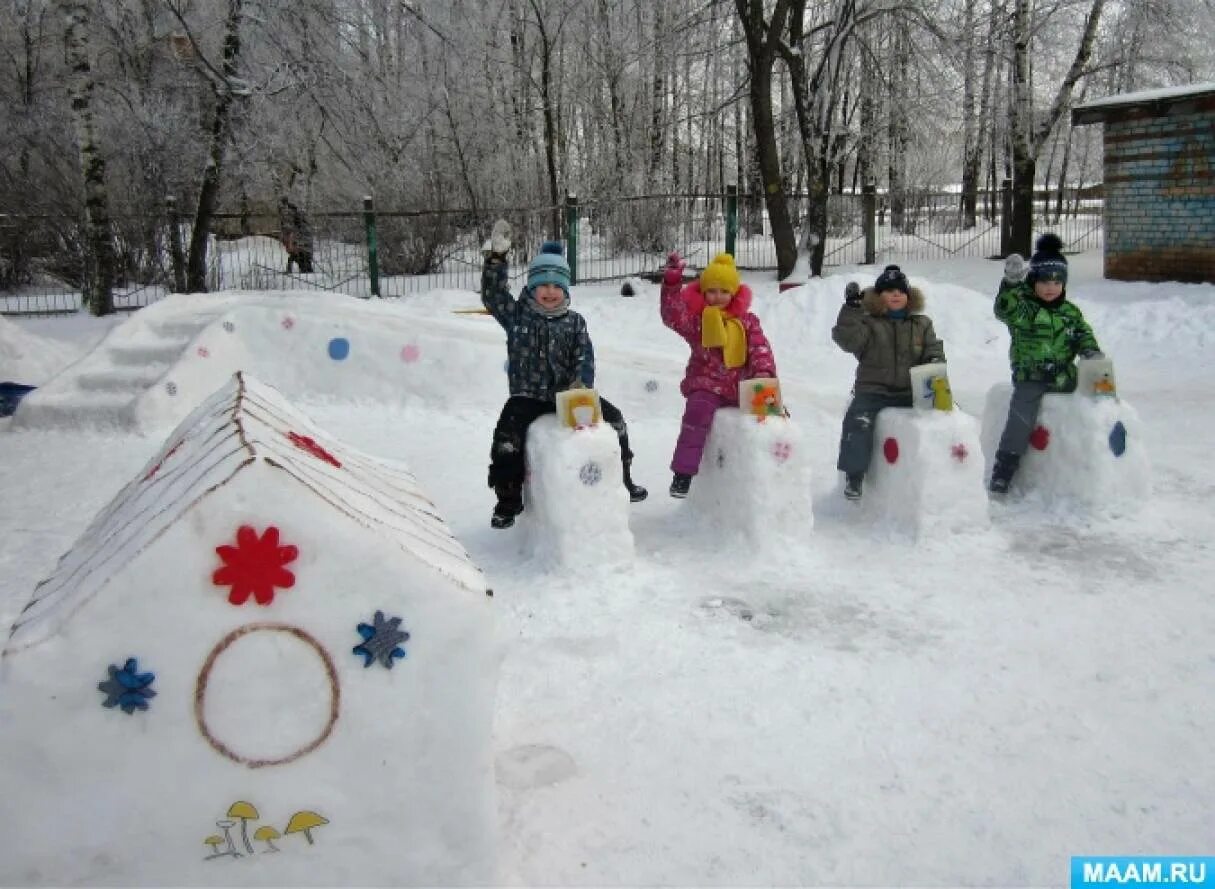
[550, 267]
[1048, 262]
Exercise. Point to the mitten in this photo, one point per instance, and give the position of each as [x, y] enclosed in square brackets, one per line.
[1092, 354]
[1015, 268]
[852, 294]
[498, 243]
[673, 274]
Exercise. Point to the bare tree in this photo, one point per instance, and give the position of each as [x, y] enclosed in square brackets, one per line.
[1028, 131]
[99, 281]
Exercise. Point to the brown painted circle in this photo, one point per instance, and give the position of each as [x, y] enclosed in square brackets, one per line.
[200, 694]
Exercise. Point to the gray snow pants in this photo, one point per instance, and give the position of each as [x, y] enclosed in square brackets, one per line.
[856, 440]
[1022, 416]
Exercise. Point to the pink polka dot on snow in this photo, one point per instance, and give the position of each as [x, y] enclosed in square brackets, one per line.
[410, 354]
[288, 323]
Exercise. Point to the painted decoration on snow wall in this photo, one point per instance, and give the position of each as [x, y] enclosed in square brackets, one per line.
[890, 450]
[382, 640]
[339, 348]
[959, 452]
[590, 474]
[1039, 439]
[155, 469]
[781, 451]
[308, 444]
[1117, 439]
[239, 816]
[234, 741]
[579, 408]
[760, 397]
[254, 566]
[127, 688]
[930, 387]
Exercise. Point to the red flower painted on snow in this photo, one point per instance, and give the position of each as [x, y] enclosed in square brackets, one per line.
[1040, 438]
[304, 443]
[254, 566]
[203, 351]
[288, 323]
[782, 451]
[959, 452]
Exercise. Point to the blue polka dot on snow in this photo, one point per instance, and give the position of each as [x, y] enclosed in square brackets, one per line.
[1118, 439]
[339, 348]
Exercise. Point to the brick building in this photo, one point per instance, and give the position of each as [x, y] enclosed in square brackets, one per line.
[1159, 182]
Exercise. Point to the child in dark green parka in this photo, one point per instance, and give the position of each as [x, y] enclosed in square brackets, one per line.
[1048, 333]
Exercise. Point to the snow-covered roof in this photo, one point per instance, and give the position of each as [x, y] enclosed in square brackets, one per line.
[1099, 110]
[244, 425]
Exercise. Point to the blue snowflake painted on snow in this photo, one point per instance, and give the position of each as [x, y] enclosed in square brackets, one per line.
[127, 688]
[381, 640]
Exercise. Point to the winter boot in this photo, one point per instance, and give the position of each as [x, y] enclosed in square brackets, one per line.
[1003, 471]
[510, 504]
[852, 485]
[636, 492]
[680, 484]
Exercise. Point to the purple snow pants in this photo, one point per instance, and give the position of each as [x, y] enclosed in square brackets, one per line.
[697, 419]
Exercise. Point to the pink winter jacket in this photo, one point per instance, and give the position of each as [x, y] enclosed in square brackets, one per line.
[707, 371]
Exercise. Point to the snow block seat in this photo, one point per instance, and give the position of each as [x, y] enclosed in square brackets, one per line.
[926, 475]
[267, 661]
[576, 506]
[1086, 451]
[754, 479]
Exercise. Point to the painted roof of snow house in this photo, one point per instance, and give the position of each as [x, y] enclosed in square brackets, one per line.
[244, 425]
[1158, 101]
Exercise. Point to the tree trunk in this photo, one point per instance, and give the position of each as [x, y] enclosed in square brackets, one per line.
[98, 285]
[971, 152]
[208, 192]
[761, 40]
[1029, 136]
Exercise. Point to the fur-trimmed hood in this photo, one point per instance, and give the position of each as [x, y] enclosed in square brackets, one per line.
[871, 300]
[738, 305]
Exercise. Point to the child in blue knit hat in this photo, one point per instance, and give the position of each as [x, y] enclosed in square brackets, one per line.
[548, 351]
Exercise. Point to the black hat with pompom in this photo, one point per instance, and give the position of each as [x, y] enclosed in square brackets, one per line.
[1048, 262]
[892, 278]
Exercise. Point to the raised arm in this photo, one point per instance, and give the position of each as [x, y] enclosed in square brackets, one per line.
[850, 332]
[675, 312]
[495, 290]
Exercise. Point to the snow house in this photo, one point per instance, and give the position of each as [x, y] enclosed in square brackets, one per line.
[266, 662]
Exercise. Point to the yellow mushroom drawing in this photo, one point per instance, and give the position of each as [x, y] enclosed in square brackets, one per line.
[304, 822]
[267, 835]
[213, 841]
[245, 812]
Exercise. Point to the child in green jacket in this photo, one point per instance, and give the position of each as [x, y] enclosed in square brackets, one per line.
[1048, 333]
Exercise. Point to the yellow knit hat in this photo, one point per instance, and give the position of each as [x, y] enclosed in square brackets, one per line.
[721, 274]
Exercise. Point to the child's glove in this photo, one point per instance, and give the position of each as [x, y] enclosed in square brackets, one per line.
[673, 274]
[1015, 269]
[498, 243]
[852, 294]
[1092, 355]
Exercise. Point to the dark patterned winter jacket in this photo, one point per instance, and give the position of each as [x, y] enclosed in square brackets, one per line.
[545, 355]
[1046, 337]
[887, 348]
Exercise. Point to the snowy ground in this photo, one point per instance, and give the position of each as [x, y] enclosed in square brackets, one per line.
[866, 711]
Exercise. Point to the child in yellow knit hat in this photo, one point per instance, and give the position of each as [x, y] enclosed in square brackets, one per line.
[713, 314]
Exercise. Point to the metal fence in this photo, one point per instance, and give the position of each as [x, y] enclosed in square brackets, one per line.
[371, 252]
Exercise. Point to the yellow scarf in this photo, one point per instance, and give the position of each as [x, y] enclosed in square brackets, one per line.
[717, 329]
